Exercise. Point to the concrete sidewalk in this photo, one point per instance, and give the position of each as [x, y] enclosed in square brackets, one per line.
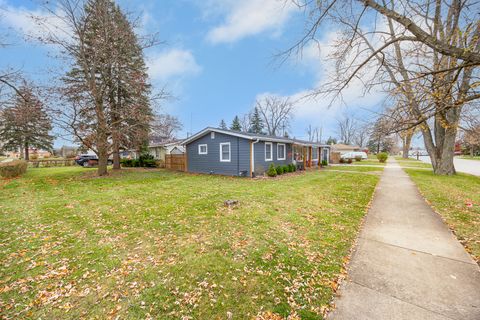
[407, 264]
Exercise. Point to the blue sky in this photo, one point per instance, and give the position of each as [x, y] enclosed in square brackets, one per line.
[218, 57]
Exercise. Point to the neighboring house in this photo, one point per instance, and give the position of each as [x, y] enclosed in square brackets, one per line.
[344, 148]
[33, 152]
[227, 152]
[160, 150]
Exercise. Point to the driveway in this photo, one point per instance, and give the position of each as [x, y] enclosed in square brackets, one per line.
[461, 165]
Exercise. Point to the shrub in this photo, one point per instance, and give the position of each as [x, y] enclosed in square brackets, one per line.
[126, 162]
[324, 163]
[382, 157]
[291, 167]
[358, 158]
[33, 156]
[342, 160]
[349, 160]
[272, 172]
[279, 170]
[144, 158]
[13, 168]
[286, 169]
[149, 163]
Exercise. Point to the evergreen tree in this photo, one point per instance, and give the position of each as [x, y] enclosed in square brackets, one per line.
[108, 83]
[331, 140]
[26, 124]
[256, 122]
[223, 125]
[236, 126]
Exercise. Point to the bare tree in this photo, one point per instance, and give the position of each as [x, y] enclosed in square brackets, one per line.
[276, 114]
[361, 135]
[423, 54]
[347, 129]
[314, 134]
[245, 122]
[165, 128]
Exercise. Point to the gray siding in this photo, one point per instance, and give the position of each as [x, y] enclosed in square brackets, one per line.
[261, 165]
[210, 163]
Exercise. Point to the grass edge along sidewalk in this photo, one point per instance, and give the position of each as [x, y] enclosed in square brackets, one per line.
[457, 200]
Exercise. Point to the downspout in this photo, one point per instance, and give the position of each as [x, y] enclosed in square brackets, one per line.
[253, 157]
[238, 155]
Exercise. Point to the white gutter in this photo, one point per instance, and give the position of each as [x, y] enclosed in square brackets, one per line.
[253, 156]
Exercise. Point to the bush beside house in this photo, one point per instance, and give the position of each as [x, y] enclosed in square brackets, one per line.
[272, 171]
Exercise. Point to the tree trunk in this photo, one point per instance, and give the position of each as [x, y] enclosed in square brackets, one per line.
[441, 150]
[406, 145]
[116, 157]
[471, 151]
[102, 159]
[102, 143]
[27, 154]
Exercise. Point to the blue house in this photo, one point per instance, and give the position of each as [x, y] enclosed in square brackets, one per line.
[233, 153]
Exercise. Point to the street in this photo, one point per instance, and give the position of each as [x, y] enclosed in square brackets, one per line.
[461, 165]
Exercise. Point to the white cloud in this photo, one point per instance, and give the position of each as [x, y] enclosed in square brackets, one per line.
[32, 23]
[250, 17]
[174, 63]
[316, 109]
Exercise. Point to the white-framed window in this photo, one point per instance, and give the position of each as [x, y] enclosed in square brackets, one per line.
[268, 151]
[281, 151]
[212, 135]
[202, 149]
[225, 154]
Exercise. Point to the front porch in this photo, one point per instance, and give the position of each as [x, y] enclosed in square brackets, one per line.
[309, 156]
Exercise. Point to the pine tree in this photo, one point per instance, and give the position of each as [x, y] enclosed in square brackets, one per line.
[108, 83]
[26, 124]
[223, 125]
[129, 90]
[236, 126]
[256, 122]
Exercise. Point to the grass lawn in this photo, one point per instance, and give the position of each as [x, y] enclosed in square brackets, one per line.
[457, 200]
[368, 162]
[410, 162]
[156, 244]
[470, 157]
[360, 169]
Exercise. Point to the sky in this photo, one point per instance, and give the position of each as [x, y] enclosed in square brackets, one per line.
[216, 59]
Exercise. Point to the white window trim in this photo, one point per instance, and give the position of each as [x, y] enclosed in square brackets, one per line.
[284, 151]
[271, 151]
[200, 148]
[229, 152]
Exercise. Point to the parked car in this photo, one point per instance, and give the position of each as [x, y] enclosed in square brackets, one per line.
[88, 160]
[355, 154]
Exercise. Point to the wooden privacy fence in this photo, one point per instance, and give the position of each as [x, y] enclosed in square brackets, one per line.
[51, 163]
[335, 157]
[175, 162]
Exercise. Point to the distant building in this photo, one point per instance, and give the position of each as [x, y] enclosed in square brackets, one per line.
[344, 148]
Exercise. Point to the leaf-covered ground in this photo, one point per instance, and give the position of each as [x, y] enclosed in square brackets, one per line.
[157, 244]
[457, 200]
